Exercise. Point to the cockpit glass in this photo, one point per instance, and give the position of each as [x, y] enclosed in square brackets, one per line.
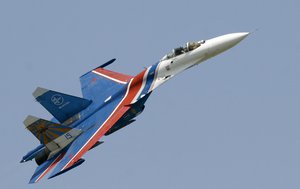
[181, 50]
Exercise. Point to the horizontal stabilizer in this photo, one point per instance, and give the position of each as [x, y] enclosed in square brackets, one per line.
[53, 135]
[44, 168]
[76, 164]
[96, 144]
[61, 106]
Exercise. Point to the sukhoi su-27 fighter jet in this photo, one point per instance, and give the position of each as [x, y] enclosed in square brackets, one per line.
[110, 102]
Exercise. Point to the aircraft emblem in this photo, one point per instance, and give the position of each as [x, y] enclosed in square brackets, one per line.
[57, 99]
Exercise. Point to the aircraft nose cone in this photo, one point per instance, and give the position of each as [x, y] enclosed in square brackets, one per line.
[222, 43]
[235, 38]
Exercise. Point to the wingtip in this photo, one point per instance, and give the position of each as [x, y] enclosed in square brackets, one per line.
[66, 168]
[107, 63]
[102, 66]
[39, 91]
[31, 182]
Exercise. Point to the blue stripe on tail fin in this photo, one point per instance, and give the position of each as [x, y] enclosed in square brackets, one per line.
[61, 106]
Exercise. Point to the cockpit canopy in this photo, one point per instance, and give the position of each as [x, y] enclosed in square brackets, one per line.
[181, 50]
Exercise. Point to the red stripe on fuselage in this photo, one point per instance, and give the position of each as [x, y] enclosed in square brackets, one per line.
[132, 90]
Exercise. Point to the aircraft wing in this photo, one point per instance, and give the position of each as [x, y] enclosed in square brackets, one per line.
[53, 135]
[105, 118]
[44, 168]
[98, 84]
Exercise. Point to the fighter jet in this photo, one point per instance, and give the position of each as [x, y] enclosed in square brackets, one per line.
[110, 101]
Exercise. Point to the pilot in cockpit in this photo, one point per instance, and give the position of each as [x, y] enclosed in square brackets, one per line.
[180, 50]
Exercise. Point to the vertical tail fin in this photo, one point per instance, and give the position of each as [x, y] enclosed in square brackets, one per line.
[53, 135]
[61, 106]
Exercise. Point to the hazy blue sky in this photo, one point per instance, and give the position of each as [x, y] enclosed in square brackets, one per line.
[231, 122]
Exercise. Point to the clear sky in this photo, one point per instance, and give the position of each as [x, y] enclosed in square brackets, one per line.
[231, 122]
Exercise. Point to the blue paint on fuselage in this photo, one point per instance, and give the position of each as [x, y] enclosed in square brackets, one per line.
[149, 80]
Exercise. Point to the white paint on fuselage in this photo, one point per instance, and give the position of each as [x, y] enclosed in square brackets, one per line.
[212, 47]
[173, 66]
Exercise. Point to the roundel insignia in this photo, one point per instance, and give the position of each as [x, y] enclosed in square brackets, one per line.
[57, 99]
